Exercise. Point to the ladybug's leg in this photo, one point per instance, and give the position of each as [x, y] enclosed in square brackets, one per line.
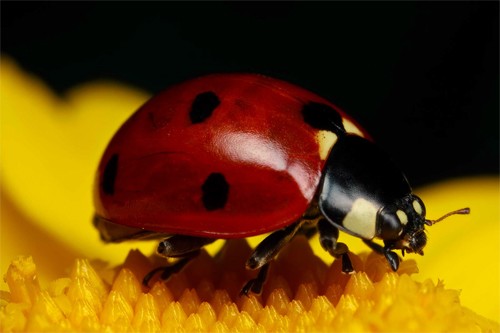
[309, 230]
[271, 245]
[178, 246]
[392, 257]
[255, 285]
[181, 245]
[167, 271]
[264, 253]
[328, 235]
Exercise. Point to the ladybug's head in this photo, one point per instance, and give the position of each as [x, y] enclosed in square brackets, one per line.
[413, 242]
[407, 218]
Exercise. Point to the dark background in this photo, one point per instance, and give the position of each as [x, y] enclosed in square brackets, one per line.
[422, 78]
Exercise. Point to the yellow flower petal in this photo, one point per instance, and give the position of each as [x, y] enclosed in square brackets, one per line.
[464, 251]
[50, 150]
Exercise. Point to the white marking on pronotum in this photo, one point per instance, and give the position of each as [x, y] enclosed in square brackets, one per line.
[361, 219]
[326, 140]
[351, 128]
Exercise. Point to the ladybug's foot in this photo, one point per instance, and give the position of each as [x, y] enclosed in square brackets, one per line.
[392, 259]
[255, 285]
[346, 264]
[167, 271]
[391, 256]
[328, 236]
[149, 276]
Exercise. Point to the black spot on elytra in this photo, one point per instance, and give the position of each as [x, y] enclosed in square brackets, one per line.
[203, 106]
[323, 117]
[109, 175]
[215, 191]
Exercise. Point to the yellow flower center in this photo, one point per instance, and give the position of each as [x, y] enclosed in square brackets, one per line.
[204, 297]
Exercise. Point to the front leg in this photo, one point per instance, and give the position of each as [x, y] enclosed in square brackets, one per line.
[391, 256]
[328, 236]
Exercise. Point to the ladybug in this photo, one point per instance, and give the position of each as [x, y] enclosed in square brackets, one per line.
[235, 155]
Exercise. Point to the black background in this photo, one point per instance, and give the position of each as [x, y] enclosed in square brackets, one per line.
[422, 77]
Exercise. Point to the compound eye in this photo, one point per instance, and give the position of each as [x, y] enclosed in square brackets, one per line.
[418, 206]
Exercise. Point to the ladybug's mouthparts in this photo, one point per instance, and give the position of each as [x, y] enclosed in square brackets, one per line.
[463, 211]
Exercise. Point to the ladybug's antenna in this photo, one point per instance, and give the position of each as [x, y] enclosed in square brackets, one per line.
[462, 211]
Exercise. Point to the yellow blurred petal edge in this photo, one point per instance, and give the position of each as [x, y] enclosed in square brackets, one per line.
[50, 148]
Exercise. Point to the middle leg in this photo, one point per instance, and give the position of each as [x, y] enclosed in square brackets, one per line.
[264, 253]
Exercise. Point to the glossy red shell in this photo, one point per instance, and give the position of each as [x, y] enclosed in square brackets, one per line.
[256, 138]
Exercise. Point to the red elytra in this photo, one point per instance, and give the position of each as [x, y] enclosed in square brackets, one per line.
[221, 156]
